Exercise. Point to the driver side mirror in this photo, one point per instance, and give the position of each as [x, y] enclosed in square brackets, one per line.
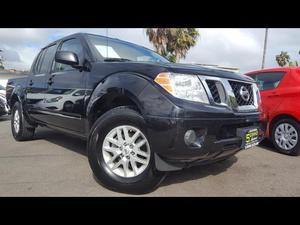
[66, 57]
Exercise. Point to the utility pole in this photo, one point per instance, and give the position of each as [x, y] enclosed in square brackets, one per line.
[1, 61]
[265, 48]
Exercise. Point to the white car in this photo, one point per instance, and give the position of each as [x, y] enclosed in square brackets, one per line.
[2, 90]
[4, 109]
[61, 99]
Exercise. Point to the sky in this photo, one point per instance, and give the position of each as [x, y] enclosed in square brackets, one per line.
[233, 47]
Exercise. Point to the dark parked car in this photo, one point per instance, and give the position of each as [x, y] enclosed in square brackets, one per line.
[3, 104]
[141, 114]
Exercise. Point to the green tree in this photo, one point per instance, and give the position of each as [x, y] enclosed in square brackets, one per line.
[283, 59]
[172, 43]
[293, 63]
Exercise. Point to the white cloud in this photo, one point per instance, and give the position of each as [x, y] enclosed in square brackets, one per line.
[240, 48]
[227, 47]
[19, 37]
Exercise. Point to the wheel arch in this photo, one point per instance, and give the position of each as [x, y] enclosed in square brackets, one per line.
[17, 95]
[280, 117]
[120, 89]
[14, 98]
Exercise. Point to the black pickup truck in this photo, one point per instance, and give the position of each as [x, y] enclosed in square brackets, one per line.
[140, 114]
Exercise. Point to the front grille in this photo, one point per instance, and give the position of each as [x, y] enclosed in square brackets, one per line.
[237, 95]
[214, 90]
[236, 87]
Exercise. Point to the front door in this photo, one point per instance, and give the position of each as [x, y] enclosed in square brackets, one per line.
[268, 83]
[64, 99]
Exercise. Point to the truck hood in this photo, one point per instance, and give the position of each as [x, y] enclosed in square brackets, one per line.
[152, 69]
[200, 70]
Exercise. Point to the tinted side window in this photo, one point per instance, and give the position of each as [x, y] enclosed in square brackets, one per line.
[72, 45]
[37, 65]
[48, 59]
[268, 80]
[32, 69]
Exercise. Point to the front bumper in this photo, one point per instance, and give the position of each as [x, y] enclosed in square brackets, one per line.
[219, 139]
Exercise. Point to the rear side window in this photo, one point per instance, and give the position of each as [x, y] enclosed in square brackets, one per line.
[268, 80]
[39, 59]
[47, 59]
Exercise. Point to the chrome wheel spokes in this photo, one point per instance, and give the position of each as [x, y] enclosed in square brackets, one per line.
[286, 136]
[126, 151]
[16, 121]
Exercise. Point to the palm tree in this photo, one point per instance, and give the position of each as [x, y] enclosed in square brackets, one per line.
[293, 64]
[173, 43]
[159, 38]
[283, 59]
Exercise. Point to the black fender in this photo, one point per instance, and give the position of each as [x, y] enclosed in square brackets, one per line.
[157, 110]
[19, 94]
[126, 84]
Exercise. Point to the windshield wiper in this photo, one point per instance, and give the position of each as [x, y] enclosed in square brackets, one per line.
[116, 60]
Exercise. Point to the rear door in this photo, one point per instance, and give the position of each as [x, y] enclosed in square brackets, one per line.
[36, 84]
[65, 94]
[268, 83]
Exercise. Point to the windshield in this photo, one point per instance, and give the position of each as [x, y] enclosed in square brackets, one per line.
[123, 51]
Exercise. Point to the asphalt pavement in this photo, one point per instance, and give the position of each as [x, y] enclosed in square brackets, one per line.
[55, 164]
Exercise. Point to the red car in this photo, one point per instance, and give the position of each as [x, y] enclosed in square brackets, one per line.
[280, 93]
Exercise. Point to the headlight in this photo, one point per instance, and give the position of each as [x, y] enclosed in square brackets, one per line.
[183, 86]
[54, 99]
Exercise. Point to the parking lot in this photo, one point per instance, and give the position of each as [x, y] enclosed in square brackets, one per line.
[55, 164]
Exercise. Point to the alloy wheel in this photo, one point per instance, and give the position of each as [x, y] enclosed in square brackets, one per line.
[126, 151]
[16, 121]
[286, 136]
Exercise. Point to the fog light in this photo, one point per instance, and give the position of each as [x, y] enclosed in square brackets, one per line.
[190, 137]
[194, 138]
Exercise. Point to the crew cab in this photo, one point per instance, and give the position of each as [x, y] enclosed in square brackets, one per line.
[140, 114]
[280, 92]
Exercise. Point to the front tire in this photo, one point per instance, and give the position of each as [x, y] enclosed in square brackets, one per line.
[20, 131]
[285, 136]
[120, 154]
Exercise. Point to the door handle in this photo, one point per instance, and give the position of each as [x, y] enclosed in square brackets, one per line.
[30, 83]
[274, 93]
[50, 81]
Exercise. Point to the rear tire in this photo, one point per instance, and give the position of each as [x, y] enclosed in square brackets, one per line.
[129, 177]
[285, 136]
[20, 131]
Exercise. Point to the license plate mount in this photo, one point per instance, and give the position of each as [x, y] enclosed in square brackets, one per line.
[249, 135]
